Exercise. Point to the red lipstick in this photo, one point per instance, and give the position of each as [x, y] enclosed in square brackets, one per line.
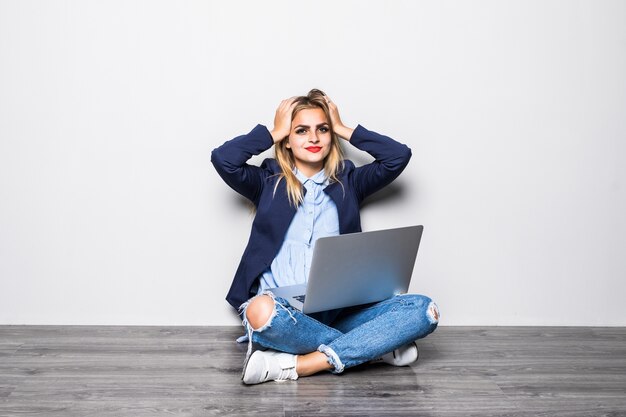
[314, 149]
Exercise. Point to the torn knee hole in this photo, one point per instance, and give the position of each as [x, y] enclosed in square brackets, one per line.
[260, 312]
[433, 312]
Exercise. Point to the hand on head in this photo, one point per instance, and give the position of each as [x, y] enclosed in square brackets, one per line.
[282, 119]
[339, 128]
[335, 120]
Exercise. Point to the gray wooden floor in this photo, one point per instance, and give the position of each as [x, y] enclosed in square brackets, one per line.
[195, 371]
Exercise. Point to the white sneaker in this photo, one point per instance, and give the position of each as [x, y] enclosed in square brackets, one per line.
[269, 365]
[403, 356]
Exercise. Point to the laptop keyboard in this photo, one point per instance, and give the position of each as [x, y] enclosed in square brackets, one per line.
[299, 298]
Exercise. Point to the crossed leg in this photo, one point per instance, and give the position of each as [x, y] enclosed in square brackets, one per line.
[259, 314]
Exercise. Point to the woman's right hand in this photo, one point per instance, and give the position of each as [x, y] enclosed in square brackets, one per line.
[282, 119]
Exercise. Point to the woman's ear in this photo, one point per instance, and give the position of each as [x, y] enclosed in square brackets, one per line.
[287, 144]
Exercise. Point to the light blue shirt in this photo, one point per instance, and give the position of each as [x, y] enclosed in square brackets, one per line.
[316, 217]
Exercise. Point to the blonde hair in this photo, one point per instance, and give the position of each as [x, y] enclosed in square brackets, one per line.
[333, 163]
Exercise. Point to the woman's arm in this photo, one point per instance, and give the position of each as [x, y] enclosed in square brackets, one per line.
[230, 159]
[230, 162]
[391, 157]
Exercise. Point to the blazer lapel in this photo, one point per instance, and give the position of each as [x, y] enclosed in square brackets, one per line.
[282, 212]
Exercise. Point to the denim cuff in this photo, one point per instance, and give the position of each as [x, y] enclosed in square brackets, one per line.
[333, 359]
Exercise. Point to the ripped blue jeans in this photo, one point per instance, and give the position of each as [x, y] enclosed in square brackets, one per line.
[348, 336]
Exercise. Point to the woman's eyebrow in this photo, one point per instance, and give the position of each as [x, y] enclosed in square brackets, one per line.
[319, 125]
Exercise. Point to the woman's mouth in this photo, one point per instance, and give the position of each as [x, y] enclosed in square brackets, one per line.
[314, 149]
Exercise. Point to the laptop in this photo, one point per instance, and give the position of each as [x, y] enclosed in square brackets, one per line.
[357, 268]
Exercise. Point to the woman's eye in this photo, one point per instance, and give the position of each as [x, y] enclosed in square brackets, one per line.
[324, 129]
[300, 131]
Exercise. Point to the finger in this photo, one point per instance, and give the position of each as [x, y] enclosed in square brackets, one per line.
[288, 107]
[286, 103]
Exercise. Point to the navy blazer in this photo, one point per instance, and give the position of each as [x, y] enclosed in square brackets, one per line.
[273, 211]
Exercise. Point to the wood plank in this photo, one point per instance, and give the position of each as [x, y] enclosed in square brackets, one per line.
[195, 371]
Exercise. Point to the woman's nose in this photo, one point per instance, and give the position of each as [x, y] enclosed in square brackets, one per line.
[313, 137]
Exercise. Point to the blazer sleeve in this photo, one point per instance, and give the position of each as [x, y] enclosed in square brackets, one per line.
[391, 157]
[230, 161]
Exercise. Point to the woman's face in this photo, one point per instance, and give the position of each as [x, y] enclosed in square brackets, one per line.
[309, 140]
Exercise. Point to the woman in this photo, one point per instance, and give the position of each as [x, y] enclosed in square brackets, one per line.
[309, 191]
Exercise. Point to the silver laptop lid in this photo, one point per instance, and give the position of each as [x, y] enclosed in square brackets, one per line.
[361, 268]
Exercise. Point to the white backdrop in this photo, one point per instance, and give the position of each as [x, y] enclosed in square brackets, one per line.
[110, 212]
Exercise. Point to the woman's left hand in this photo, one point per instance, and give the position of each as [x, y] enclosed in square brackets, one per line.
[338, 126]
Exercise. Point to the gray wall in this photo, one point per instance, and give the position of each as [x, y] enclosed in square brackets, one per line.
[516, 113]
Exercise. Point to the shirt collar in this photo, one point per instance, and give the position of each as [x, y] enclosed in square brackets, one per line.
[319, 178]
